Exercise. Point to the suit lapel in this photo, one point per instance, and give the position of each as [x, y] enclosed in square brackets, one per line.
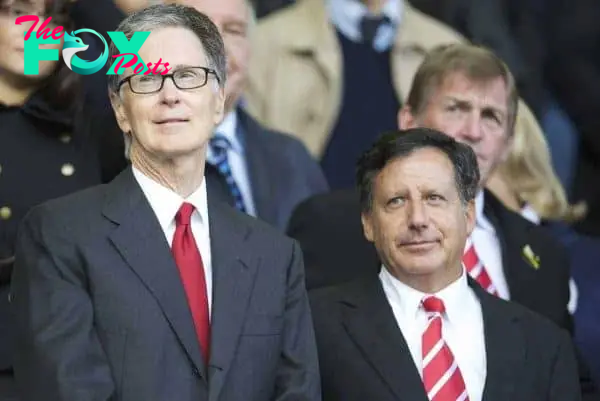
[512, 235]
[504, 345]
[258, 167]
[370, 322]
[140, 241]
[234, 270]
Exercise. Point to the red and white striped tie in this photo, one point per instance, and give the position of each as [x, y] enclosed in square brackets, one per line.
[477, 270]
[441, 375]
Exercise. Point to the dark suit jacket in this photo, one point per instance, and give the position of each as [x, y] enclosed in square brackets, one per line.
[281, 171]
[101, 312]
[363, 355]
[335, 250]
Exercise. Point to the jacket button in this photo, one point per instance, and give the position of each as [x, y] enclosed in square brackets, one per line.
[195, 371]
[67, 169]
[65, 138]
[5, 213]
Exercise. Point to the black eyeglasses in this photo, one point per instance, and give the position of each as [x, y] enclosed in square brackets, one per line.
[184, 78]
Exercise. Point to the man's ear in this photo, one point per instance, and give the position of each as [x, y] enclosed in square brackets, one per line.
[220, 105]
[471, 216]
[406, 118]
[367, 224]
[119, 110]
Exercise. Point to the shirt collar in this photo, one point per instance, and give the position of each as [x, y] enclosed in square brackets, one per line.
[409, 299]
[481, 220]
[228, 128]
[166, 203]
[530, 214]
[346, 15]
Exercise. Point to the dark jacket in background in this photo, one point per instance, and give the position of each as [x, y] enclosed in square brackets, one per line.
[574, 73]
[513, 29]
[46, 152]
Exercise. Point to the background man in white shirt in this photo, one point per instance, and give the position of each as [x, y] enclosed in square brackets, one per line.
[147, 288]
[423, 329]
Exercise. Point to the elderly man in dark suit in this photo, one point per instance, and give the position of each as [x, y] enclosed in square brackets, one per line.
[423, 329]
[147, 288]
[468, 93]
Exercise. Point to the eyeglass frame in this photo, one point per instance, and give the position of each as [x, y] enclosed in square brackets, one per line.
[172, 76]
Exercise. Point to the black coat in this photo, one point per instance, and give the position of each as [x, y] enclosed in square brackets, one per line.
[47, 152]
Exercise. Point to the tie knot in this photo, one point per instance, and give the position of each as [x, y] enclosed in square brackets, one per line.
[433, 304]
[220, 143]
[369, 26]
[184, 215]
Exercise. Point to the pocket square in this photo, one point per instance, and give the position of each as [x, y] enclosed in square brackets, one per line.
[531, 257]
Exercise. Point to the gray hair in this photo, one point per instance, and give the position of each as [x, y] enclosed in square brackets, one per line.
[174, 15]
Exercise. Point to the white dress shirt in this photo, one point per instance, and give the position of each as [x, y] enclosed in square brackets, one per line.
[165, 203]
[346, 16]
[462, 326]
[487, 246]
[237, 159]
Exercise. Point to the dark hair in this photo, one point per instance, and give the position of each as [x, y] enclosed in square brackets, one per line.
[62, 88]
[174, 15]
[397, 144]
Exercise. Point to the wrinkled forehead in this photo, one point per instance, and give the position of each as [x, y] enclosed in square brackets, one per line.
[491, 92]
[425, 168]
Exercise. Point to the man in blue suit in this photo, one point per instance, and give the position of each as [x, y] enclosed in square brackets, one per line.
[262, 172]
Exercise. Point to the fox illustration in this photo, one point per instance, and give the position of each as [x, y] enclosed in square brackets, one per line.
[73, 45]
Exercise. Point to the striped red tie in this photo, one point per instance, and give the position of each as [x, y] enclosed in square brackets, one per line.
[477, 270]
[441, 375]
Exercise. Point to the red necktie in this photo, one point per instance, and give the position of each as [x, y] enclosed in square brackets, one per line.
[441, 375]
[477, 270]
[191, 269]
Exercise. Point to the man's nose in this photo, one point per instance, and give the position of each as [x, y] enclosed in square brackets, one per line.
[169, 93]
[418, 217]
[471, 128]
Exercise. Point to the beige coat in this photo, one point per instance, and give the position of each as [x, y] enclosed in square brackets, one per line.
[295, 82]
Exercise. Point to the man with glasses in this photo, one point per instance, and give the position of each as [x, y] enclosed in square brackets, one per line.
[261, 172]
[148, 288]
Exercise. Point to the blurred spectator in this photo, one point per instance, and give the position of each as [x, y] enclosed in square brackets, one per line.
[265, 7]
[526, 182]
[574, 73]
[325, 70]
[519, 32]
[50, 143]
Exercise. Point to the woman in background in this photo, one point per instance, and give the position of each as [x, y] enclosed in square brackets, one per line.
[49, 136]
[527, 183]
